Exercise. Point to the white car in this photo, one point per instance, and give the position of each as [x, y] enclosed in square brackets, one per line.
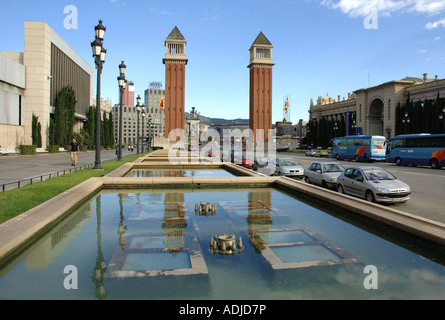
[289, 167]
[373, 184]
[324, 174]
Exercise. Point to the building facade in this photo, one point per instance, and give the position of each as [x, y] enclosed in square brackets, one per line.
[175, 62]
[128, 95]
[260, 90]
[157, 113]
[371, 111]
[49, 64]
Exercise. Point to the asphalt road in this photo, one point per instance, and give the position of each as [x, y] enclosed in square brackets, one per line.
[15, 168]
[427, 185]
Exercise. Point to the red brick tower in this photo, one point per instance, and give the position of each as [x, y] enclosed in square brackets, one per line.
[260, 109]
[175, 62]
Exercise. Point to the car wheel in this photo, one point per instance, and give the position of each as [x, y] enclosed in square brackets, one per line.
[434, 164]
[337, 157]
[324, 184]
[340, 188]
[370, 196]
[356, 158]
[306, 179]
[398, 161]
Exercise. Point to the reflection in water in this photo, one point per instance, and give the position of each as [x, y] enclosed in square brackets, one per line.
[158, 232]
[100, 266]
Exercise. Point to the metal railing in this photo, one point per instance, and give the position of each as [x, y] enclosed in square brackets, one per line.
[45, 176]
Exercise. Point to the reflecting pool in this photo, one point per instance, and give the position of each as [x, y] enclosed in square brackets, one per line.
[155, 244]
[167, 172]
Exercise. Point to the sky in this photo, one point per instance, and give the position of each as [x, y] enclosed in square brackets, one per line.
[319, 46]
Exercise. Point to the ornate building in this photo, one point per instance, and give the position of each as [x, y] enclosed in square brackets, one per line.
[371, 111]
[175, 63]
[260, 98]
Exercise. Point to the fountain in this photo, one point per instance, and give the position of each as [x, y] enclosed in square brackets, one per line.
[225, 244]
[205, 209]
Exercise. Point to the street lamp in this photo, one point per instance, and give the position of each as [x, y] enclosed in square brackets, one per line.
[406, 120]
[442, 117]
[138, 110]
[149, 132]
[99, 59]
[335, 129]
[143, 129]
[121, 81]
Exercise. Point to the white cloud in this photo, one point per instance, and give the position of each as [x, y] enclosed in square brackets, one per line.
[362, 8]
[421, 51]
[434, 25]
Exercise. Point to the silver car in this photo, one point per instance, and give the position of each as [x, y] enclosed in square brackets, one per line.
[324, 174]
[373, 184]
[289, 167]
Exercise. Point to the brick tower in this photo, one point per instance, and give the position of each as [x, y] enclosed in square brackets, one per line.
[175, 62]
[260, 100]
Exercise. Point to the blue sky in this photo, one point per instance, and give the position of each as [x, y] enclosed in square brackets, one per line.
[320, 46]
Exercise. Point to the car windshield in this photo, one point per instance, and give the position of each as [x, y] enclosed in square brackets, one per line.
[288, 163]
[378, 174]
[333, 168]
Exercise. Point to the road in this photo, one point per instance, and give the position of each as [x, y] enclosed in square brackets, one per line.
[14, 168]
[427, 185]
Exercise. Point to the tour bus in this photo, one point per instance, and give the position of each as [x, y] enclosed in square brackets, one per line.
[359, 148]
[422, 149]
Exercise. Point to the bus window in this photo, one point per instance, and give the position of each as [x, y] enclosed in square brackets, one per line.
[438, 142]
[351, 142]
[358, 142]
[397, 143]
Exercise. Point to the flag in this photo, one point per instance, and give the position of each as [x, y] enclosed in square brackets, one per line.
[161, 104]
[286, 104]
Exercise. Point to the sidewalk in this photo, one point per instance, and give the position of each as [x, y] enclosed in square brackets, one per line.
[14, 168]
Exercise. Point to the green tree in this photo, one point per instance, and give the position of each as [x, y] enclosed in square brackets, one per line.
[51, 132]
[36, 131]
[64, 115]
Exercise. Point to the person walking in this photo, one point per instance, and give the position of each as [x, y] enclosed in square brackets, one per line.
[74, 152]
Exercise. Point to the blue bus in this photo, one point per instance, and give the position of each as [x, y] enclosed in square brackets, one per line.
[417, 149]
[359, 148]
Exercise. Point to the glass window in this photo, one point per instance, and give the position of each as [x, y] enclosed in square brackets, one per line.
[351, 142]
[348, 173]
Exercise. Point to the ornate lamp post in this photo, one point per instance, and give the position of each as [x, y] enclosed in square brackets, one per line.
[335, 129]
[99, 59]
[143, 129]
[406, 120]
[138, 110]
[149, 132]
[442, 117]
[121, 81]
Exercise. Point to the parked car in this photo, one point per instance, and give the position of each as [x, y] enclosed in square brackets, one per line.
[310, 153]
[320, 153]
[246, 162]
[264, 165]
[236, 156]
[324, 174]
[373, 184]
[289, 167]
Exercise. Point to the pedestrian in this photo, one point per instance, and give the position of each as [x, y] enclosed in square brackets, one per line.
[74, 152]
[131, 148]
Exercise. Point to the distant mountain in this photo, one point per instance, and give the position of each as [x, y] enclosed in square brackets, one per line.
[219, 121]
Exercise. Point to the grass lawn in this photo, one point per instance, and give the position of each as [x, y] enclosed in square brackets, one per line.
[17, 201]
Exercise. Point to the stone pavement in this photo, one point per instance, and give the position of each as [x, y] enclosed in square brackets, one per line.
[14, 168]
